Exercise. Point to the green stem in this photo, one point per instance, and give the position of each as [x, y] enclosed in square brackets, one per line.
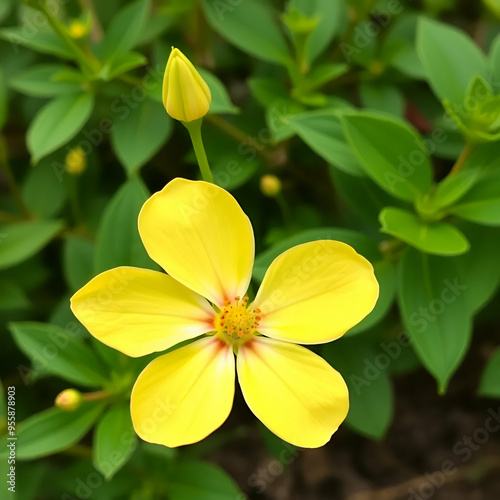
[240, 136]
[96, 396]
[11, 181]
[87, 65]
[468, 148]
[74, 199]
[356, 18]
[194, 129]
[285, 210]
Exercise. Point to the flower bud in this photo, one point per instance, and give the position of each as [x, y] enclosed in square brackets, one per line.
[186, 96]
[69, 400]
[270, 185]
[77, 29]
[75, 161]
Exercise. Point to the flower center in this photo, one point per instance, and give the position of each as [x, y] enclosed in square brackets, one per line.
[236, 321]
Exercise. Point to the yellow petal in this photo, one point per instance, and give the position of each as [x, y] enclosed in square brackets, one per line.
[139, 311]
[294, 392]
[183, 396]
[315, 292]
[198, 233]
[186, 96]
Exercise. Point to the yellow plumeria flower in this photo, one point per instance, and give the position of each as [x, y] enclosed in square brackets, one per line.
[312, 293]
[185, 94]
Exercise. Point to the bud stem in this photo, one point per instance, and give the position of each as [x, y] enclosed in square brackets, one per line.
[194, 129]
[95, 396]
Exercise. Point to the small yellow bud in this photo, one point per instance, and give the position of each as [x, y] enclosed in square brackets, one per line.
[186, 96]
[270, 185]
[76, 161]
[69, 400]
[78, 30]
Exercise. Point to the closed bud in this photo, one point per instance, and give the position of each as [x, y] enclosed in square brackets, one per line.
[75, 161]
[78, 30]
[186, 96]
[69, 400]
[270, 185]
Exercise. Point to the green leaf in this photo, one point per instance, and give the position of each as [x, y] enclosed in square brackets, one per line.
[5, 9]
[3, 408]
[450, 58]
[361, 243]
[52, 431]
[21, 240]
[438, 238]
[324, 73]
[124, 30]
[266, 90]
[386, 277]
[398, 47]
[221, 102]
[58, 122]
[12, 296]
[482, 161]
[330, 16]
[38, 81]
[114, 440]
[382, 97]
[231, 173]
[364, 368]
[4, 101]
[78, 261]
[45, 42]
[118, 242]
[391, 153]
[494, 59]
[137, 136]
[121, 63]
[494, 6]
[60, 352]
[434, 304]
[479, 266]
[40, 181]
[251, 27]
[453, 187]
[361, 195]
[192, 480]
[322, 132]
[490, 379]
[481, 204]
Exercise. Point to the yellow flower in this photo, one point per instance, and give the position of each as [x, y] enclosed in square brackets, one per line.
[312, 293]
[186, 96]
[75, 161]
